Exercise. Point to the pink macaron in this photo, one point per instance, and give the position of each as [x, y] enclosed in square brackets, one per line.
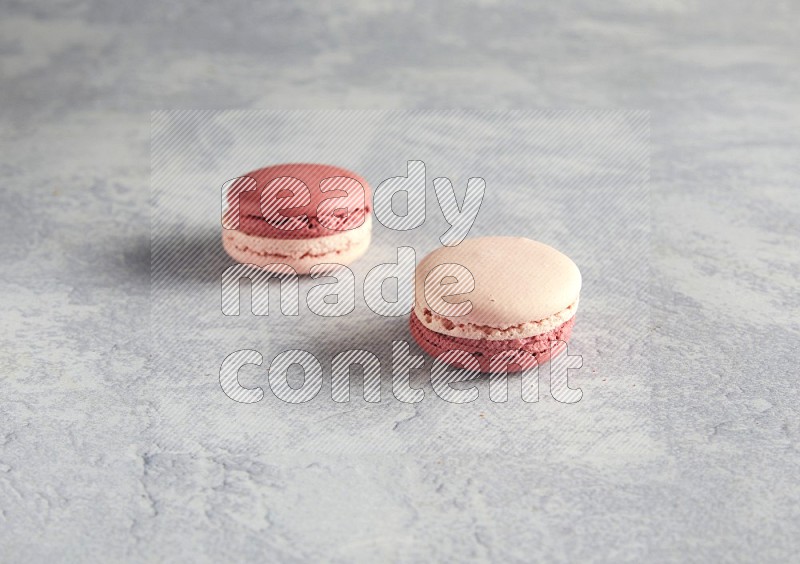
[501, 300]
[298, 214]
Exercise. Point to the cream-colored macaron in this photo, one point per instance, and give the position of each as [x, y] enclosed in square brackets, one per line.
[494, 293]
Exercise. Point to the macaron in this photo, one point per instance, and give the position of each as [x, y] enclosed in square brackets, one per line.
[298, 214]
[502, 300]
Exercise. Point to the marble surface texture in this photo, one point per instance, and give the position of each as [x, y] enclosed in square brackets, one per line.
[691, 456]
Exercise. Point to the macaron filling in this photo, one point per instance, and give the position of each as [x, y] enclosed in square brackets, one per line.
[300, 254]
[465, 329]
[268, 247]
[310, 227]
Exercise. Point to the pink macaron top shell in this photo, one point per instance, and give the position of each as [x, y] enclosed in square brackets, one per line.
[301, 200]
[517, 281]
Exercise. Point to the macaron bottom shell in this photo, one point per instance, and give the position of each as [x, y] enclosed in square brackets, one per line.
[300, 254]
[522, 353]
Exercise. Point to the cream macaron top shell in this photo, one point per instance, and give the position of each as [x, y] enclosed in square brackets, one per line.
[523, 288]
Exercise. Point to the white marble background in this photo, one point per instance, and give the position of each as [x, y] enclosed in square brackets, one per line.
[696, 462]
